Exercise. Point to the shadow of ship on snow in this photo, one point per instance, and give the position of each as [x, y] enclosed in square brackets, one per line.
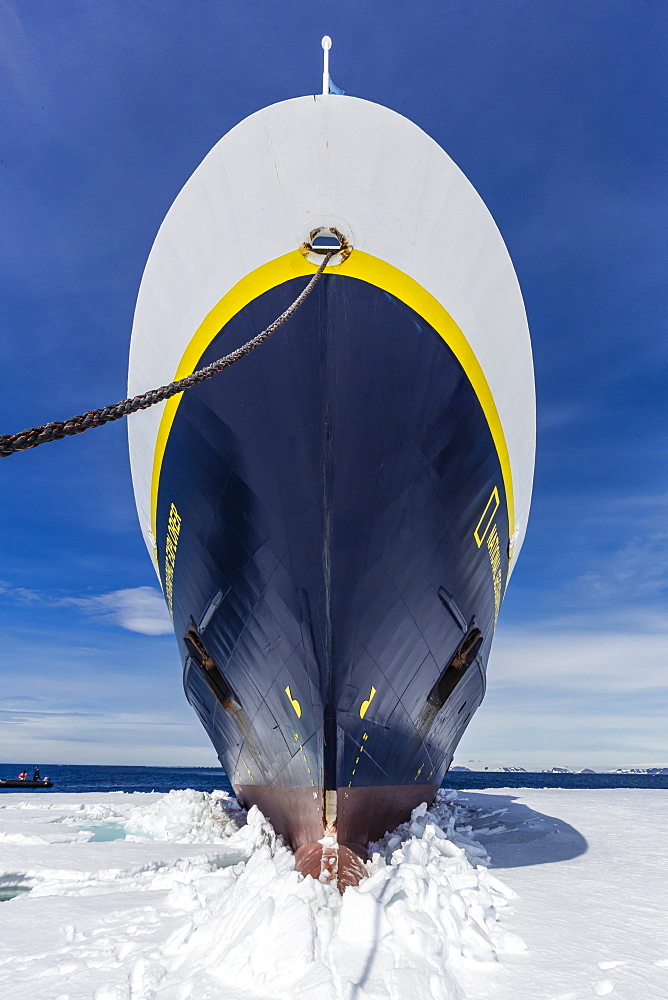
[515, 835]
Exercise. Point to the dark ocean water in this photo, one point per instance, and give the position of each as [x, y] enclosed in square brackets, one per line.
[527, 779]
[87, 778]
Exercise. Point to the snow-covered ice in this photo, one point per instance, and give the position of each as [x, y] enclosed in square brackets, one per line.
[591, 872]
[536, 894]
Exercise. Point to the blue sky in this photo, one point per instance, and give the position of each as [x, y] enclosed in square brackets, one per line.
[555, 111]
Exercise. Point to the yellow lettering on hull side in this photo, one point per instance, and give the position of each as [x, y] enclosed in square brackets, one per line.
[495, 563]
[486, 529]
[171, 543]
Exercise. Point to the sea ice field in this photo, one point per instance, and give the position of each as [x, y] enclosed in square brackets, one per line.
[529, 894]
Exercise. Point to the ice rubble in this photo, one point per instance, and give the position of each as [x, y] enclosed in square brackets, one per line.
[210, 925]
[264, 929]
[187, 817]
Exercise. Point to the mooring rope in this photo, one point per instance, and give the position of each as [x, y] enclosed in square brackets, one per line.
[34, 436]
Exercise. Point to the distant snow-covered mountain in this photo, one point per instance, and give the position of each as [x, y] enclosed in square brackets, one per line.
[641, 770]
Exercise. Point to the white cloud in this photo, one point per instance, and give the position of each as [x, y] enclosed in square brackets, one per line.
[564, 693]
[534, 737]
[138, 609]
[154, 736]
[579, 661]
[635, 573]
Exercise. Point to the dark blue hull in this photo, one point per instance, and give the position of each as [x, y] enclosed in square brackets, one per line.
[332, 538]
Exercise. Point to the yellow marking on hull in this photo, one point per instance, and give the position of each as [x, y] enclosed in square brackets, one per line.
[171, 544]
[495, 563]
[358, 265]
[485, 521]
[364, 707]
[293, 701]
[301, 746]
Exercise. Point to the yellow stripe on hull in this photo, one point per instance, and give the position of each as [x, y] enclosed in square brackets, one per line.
[367, 268]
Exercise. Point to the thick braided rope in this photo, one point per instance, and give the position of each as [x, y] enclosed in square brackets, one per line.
[34, 436]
